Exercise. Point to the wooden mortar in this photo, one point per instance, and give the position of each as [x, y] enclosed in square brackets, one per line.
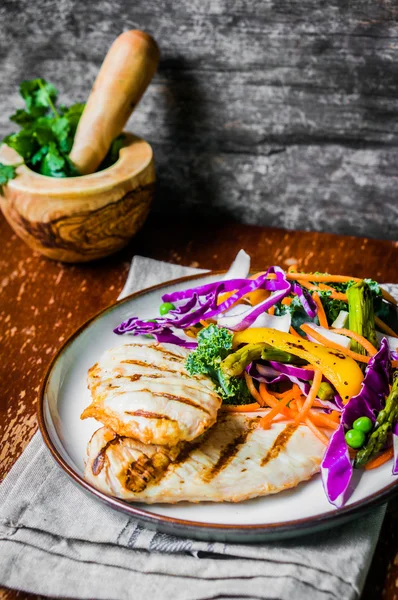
[78, 219]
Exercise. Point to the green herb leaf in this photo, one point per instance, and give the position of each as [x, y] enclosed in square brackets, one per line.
[23, 142]
[38, 93]
[7, 172]
[53, 164]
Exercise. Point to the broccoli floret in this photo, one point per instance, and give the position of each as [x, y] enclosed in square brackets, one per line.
[214, 344]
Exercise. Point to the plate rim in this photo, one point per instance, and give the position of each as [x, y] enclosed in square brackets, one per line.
[281, 528]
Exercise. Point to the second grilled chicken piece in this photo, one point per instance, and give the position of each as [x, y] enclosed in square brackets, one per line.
[143, 391]
[233, 461]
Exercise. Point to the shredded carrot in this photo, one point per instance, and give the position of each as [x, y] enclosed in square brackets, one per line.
[308, 285]
[271, 310]
[204, 323]
[326, 288]
[370, 349]
[271, 401]
[295, 388]
[323, 420]
[323, 322]
[380, 460]
[293, 331]
[388, 296]
[384, 327]
[242, 407]
[266, 421]
[316, 277]
[253, 390]
[339, 296]
[292, 269]
[321, 436]
[322, 340]
[309, 422]
[287, 301]
[312, 394]
[394, 364]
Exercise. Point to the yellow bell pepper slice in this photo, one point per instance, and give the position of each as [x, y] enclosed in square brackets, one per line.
[341, 370]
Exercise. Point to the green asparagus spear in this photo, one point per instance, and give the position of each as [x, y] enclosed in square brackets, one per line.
[361, 315]
[234, 364]
[384, 424]
[325, 391]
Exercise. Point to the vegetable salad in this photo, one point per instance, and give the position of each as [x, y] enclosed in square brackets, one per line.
[310, 348]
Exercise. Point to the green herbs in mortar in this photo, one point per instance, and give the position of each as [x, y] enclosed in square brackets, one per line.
[46, 135]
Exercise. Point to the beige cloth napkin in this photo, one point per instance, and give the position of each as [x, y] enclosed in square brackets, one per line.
[55, 540]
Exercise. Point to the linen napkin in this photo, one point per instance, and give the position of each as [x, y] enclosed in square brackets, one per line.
[57, 541]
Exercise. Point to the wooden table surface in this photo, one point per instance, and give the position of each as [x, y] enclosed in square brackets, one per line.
[43, 302]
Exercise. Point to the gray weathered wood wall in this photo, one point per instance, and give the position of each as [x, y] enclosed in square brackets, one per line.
[272, 112]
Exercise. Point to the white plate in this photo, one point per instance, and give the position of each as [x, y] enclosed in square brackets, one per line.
[64, 396]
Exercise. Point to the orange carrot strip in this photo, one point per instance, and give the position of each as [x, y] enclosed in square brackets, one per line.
[322, 340]
[252, 389]
[339, 296]
[384, 327]
[380, 460]
[323, 322]
[370, 349]
[292, 269]
[312, 394]
[388, 296]
[271, 310]
[308, 285]
[323, 420]
[242, 407]
[321, 278]
[266, 421]
[287, 301]
[321, 436]
[204, 323]
[271, 401]
[293, 331]
[326, 288]
[394, 364]
[308, 421]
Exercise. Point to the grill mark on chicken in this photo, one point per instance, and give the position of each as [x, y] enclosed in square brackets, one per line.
[158, 349]
[99, 461]
[189, 447]
[146, 470]
[141, 363]
[279, 443]
[147, 414]
[227, 455]
[176, 399]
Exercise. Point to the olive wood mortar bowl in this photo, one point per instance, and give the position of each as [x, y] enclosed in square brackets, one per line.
[78, 219]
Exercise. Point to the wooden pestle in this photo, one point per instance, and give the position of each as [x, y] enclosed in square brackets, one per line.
[124, 76]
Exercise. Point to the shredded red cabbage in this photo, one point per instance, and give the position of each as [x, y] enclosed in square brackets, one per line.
[306, 300]
[160, 332]
[336, 467]
[201, 302]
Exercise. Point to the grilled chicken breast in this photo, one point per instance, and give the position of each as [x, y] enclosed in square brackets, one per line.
[232, 461]
[143, 391]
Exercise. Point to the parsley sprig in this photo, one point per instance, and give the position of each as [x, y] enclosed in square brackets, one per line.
[46, 135]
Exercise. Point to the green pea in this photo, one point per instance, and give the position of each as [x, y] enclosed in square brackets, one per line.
[355, 438]
[165, 308]
[363, 424]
